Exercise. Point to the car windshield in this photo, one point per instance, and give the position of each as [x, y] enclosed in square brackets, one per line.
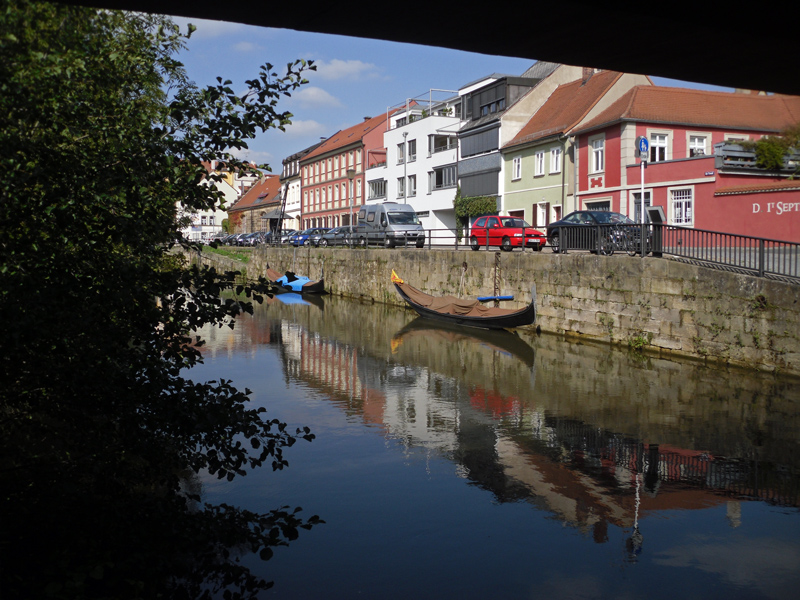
[513, 222]
[611, 217]
[403, 218]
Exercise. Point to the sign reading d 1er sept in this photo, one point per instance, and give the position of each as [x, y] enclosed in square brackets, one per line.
[776, 208]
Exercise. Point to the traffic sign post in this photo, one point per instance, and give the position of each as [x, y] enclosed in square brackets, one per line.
[642, 153]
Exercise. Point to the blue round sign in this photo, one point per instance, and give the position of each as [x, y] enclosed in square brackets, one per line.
[642, 146]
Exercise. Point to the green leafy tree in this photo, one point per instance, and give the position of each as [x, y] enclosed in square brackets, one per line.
[101, 136]
[771, 150]
[471, 206]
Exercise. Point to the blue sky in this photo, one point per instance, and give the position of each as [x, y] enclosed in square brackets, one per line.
[355, 77]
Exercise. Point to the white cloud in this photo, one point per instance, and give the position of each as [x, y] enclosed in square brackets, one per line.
[351, 70]
[314, 97]
[766, 566]
[252, 155]
[309, 128]
[246, 47]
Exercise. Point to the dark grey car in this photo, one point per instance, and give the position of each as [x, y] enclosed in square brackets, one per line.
[338, 236]
[580, 230]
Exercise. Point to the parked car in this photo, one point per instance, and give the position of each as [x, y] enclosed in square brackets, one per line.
[391, 224]
[286, 234]
[314, 238]
[249, 239]
[338, 236]
[580, 229]
[302, 238]
[218, 238]
[505, 232]
[233, 240]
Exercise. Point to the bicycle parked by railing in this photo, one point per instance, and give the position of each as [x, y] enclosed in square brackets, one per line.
[626, 239]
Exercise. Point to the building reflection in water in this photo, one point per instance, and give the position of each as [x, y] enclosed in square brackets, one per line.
[594, 437]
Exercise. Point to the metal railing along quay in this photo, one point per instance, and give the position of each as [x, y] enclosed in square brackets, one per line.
[737, 253]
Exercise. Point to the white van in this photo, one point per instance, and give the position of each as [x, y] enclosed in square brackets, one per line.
[390, 224]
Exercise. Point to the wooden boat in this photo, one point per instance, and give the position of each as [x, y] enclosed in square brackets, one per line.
[296, 283]
[471, 313]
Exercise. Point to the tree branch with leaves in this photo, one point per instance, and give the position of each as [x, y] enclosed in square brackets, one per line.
[102, 136]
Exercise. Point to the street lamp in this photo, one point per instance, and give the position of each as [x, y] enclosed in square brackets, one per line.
[405, 168]
[350, 174]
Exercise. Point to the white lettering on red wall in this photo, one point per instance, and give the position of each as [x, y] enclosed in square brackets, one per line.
[777, 208]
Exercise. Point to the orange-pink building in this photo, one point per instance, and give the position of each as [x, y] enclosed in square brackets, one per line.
[329, 195]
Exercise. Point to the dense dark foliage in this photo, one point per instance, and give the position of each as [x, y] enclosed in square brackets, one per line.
[772, 151]
[101, 136]
[471, 206]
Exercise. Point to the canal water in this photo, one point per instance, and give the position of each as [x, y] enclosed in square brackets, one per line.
[456, 463]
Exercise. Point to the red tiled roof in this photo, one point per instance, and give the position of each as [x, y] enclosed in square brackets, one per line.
[346, 137]
[261, 193]
[755, 188]
[567, 105]
[683, 106]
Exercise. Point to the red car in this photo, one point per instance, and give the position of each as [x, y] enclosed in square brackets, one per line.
[506, 232]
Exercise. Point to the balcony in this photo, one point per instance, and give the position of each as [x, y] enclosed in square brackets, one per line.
[741, 159]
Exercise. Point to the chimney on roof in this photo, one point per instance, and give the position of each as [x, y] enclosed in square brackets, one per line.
[367, 118]
[587, 73]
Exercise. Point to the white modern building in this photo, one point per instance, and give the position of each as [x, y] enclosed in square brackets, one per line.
[419, 161]
[201, 226]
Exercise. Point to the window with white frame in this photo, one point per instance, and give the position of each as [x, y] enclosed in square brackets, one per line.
[538, 162]
[412, 185]
[598, 154]
[401, 153]
[681, 205]
[658, 147]
[697, 145]
[555, 160]
[636, 198]
[412, 150]
[401, 186]
[736, 137]
[516, 168]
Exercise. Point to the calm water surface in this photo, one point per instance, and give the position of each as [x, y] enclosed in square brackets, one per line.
[461, 464]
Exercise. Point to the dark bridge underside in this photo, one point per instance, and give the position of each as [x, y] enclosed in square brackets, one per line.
[733, 45]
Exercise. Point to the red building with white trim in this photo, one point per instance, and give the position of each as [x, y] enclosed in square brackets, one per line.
[326, 188]
[683, 176]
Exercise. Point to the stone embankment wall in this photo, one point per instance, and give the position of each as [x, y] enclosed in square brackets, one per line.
[655, 305]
